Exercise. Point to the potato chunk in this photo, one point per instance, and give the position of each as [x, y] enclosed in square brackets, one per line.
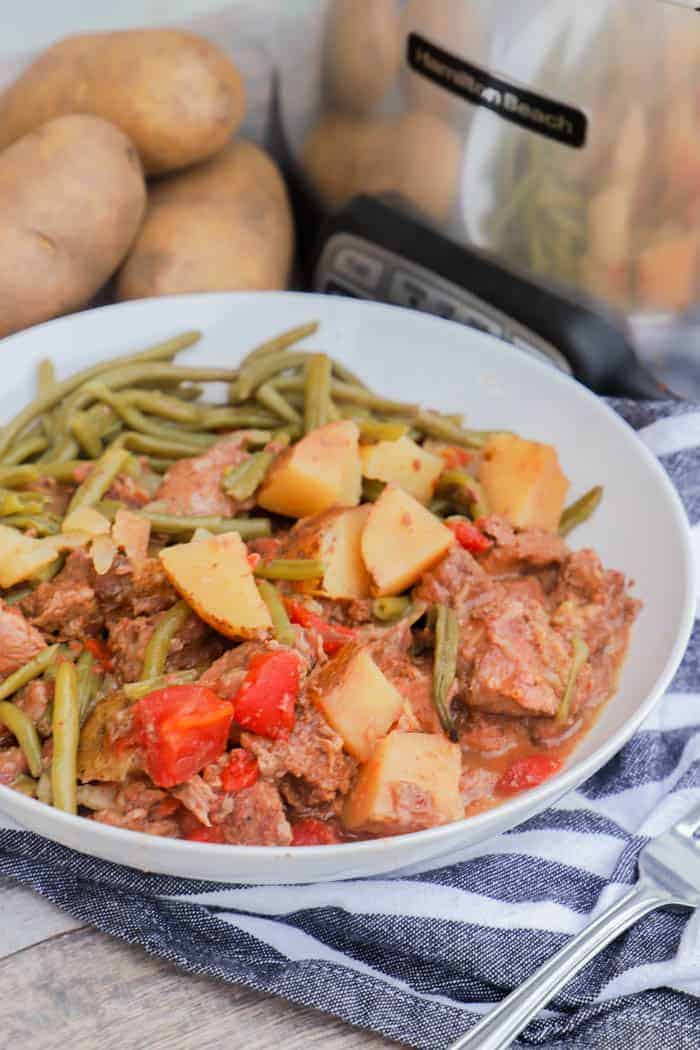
[410, 782]
[333, 537]
[523, 481]
[88, 520]
[401, 540]
[356, 700]
[22, 556]
[319, 472]
[412, 468]
[214, 577]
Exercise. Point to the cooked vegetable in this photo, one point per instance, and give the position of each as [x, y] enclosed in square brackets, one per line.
[175, 94]
[400, 541]
[23, 557]
[356, 699]
[215, 578]
[223, 225]
[281, 342]
[390, 609]
[469, 536]
[137, 690]
[181, 729]
[88, 682]
[32, 669]
[271, 399]
[243, 480]
[281, 626]
[156, 652]
[579, 658]
[523, 481]
[241, 771]
[292, 569]
[260, 369]
[333, 540]
[463, 492]
[405, 463]
[313, 832]
[428, 765]
[320, 471]
[333, 635]
[580, 511]
[24, 731]
[25, 449]
[527, 772]
[86, 519]
[178, 525]
[445, 665]
[66, 733]
[103, 473]
[317, 395]
[265, 702]
[101, 756]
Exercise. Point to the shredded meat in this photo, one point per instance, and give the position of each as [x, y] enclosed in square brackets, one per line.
[193, 486]
[516, 550]
[451, 581]
[66, 606]
[194, 645]
[19, 640]
[197, 796]
[490, 734]
[227, 673]
[141, 807]
[476, 785]
[133, 590]
[12, 764]
[257, 818]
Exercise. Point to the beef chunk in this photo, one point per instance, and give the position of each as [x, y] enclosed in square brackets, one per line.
[19, 641]
[519, 550]
[194, 645]
[128, 589]
[193, 486]
[67, 606]
[257, 818]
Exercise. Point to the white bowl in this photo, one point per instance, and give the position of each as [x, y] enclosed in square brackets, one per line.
[640, 528]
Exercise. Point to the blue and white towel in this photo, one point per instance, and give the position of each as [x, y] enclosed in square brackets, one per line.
[420, 957]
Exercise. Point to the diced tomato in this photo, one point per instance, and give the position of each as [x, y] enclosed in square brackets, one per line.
[312, 832]
[206, 835]
[333, 635]
[100, 651]
[241, 771]
[254, 560]
[455, 456]
[527, 773]
[181, 729]
[264, 704]
[470, 537]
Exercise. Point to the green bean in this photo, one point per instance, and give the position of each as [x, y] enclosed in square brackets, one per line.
[317, 391]
[216, 417]
[134, 418]
[263, 368]
[186, 391]
[280, 342]
[374, 430]
[445, 665]
[42, 525]
[49, 571]
[25, 785]
[86, 434]
[440, 507]
[32, 669]
[415, 611]
[284, 632]
[45, 376]
[580, 511]
[65, 653]
[347, 376]
[24, 731]
[98, 481]
[242, 480]
[356, 395]
[271, 399]
[174, 525]
[88, 682]
[137, 690]
[160, 465]
[388, 610]
[59, 391]
[437, 426]
[160, 447]
[580, 655]
[43, 788]
[372, 489]
[66, 733]
[20, 476]
[64, 450]
[15, 597]
[291, 569]
[25, 448]
[109, 507]
[156, 652]
[13, 503]
[167, 406]
[65, 470]
[464, 491]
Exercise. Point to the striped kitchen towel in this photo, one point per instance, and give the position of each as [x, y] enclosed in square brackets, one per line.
[420, 956]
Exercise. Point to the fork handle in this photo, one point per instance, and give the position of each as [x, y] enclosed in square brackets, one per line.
[500, 1027]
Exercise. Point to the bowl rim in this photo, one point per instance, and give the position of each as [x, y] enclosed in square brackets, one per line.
[517, 809]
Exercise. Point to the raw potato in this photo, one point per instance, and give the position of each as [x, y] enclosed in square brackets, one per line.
[523, 481]
[334, 538]
[178, 97]
[72, 197]
[401, 540]
[356, 700]
[22, 556]
[319, 472]
[363, 52]
[410, 782]
[214, 577]
[406, 463]
[98, 758]
[346, 155]
[225, 225]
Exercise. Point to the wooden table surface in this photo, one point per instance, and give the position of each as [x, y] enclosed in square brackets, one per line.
[63, 984]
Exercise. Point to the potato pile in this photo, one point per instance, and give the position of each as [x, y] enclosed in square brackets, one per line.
[116, 150]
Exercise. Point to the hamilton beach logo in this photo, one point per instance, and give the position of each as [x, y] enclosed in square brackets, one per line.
[554, 119]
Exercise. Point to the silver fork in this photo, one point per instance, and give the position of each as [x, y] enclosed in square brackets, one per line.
[669, 874]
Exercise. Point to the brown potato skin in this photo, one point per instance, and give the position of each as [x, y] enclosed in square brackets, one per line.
[72, 196]
[225, 225]
[177, 96]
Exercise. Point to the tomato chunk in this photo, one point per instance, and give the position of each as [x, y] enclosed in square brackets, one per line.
[312, 832]
[99, 649]
[333, 635]
[206, 835]
[264, 704]
[527, 773]
[470, 537]
[241, 771]
[181, 729]
[455, 456]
